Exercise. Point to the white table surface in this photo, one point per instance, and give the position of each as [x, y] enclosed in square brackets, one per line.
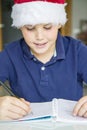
[41, 125]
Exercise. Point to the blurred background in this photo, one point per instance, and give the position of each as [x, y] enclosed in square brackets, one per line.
[76, 25]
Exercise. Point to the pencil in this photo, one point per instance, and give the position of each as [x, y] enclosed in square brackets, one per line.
[7, 88]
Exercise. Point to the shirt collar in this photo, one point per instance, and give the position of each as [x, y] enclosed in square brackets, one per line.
[58, 54]
[26, 50]
[60, 47]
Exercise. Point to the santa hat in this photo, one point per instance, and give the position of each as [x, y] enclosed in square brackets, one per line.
[31, 12]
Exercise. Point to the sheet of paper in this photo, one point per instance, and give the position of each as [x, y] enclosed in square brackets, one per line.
[39, 110]
[65, 108]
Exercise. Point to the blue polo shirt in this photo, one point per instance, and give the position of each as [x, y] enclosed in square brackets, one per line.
[61, 77]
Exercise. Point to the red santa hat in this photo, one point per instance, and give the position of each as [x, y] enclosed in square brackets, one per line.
[31, 12]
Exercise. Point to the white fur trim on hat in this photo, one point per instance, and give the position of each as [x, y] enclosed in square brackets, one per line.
[31, 13]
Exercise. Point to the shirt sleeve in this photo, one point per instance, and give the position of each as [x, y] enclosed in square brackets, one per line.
[82, 62]
[4, 66]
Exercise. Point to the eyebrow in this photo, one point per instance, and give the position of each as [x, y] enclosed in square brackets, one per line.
[37, 24]
[48, 24]
[30, 25]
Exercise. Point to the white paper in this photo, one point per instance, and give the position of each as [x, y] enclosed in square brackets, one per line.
[65, 109]
[39, 110]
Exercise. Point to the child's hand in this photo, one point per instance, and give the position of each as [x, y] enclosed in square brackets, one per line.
[13, 108]
[81, 107]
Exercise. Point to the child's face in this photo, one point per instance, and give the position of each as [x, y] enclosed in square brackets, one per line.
[41, 38]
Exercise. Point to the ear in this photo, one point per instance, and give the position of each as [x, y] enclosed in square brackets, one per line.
[59, 26]
[20, 29]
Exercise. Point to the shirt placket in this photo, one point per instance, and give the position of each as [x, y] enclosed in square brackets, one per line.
[44, 76]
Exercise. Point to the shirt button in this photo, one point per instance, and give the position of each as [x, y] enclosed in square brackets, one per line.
[34, 59]
[42, 68]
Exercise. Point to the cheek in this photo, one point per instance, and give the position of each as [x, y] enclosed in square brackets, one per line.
[52, 36]
[28, 37]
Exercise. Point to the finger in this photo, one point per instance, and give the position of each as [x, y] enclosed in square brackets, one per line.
[82, 110]
[79, 105]
[13, 116]
[85, 115]
[22, 99]
[17, 110]
[13, 112]
[21, 104]
[27, 103]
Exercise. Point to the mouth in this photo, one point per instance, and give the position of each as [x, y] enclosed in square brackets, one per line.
[40, 45]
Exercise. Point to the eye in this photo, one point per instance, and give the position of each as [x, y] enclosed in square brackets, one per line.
[30, 28]
[47, 27]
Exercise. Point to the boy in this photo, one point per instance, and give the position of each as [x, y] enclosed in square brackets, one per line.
[43, 64]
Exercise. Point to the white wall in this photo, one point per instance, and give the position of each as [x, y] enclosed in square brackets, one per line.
[79, 12]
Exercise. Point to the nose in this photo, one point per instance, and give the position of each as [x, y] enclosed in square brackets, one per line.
[39, 34]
